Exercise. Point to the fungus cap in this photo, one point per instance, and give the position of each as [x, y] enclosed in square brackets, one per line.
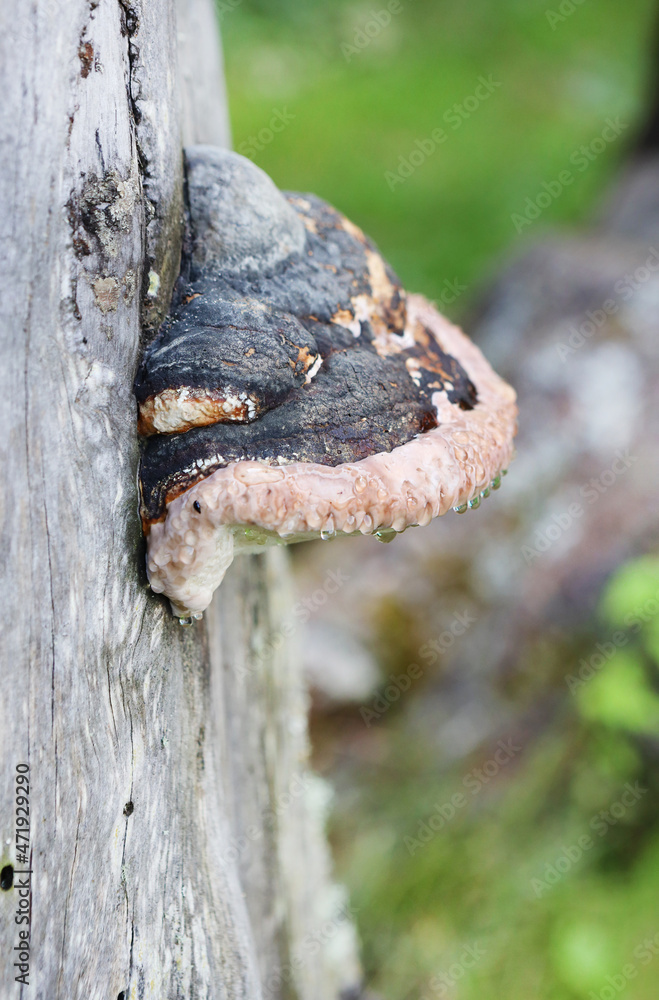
[295, 391]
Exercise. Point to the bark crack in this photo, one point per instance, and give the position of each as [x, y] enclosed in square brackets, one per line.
[66, 905]
[52, 601]
[114, 721]
[132, 942]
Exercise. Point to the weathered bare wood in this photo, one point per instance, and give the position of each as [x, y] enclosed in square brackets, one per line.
[301, 921]
[303, 934]
[203, 102]
[152, 749]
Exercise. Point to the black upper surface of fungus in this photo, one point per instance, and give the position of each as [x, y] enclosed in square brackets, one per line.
[286, 342]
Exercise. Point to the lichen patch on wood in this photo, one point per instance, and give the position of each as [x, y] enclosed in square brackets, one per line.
[106, 293]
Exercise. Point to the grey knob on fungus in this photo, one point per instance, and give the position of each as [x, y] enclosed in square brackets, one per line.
[295, 391]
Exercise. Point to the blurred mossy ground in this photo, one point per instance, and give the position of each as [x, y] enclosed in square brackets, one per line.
[543, 858]
[472, 883]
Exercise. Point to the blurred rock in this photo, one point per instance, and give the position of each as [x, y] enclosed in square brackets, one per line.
[339, 669]
[632, 208]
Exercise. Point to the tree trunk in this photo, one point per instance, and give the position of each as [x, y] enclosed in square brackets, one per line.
[175, 842]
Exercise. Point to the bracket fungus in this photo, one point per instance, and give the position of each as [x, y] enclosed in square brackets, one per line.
[295, 391]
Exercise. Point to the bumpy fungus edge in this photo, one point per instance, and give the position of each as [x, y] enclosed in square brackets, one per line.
[446, 467]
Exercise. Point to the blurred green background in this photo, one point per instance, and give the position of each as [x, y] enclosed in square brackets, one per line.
[357, 112]
[505, 877]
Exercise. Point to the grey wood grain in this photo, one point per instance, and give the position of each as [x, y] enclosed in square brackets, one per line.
[150, 751]
[202, 91]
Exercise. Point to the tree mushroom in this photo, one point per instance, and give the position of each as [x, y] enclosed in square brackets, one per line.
[295, 391]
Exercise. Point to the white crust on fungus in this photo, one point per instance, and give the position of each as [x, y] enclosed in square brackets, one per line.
[176, 410]
[435, 471]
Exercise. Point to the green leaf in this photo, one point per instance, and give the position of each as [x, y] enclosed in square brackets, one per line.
[632, 596]
[621, 696]
[580, 954]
